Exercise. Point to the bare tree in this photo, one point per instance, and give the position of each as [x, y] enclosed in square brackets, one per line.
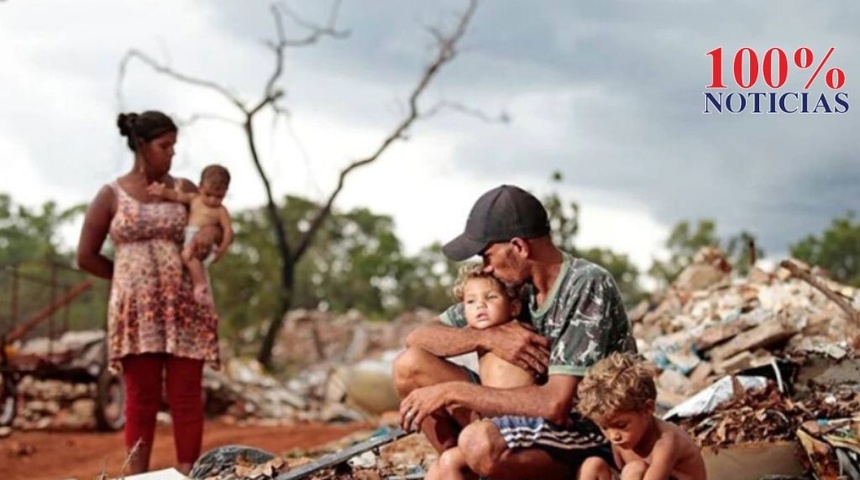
[445, 51]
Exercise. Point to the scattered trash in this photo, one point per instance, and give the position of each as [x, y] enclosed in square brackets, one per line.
[832, 447]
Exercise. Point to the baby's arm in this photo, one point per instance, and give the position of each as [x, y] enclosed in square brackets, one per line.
[160, 190]
[227, 237]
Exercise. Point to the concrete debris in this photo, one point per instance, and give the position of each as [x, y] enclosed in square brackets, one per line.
[54, 404]
[795, 326]
[707, 317]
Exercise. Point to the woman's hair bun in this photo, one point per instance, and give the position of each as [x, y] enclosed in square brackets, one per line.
[125, 122]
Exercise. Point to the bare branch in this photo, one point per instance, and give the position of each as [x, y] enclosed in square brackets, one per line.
[206, 116]
[316, 31]
[446, 51]
[278, 48]
[822, 287]
[165, 70]
[502, 117]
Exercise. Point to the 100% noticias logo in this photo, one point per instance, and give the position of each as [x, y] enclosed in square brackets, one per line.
[774, 74]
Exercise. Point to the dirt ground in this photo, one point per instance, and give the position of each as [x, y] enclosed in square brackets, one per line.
[60, 455]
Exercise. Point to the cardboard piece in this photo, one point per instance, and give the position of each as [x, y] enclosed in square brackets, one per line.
[752, 461]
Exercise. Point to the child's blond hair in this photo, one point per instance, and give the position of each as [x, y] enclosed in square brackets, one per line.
[473, 270]
[621, 382]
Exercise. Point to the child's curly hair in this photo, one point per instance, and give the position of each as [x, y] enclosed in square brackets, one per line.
[621, 382]
[474, 270]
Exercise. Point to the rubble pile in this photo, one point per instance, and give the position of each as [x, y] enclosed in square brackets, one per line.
[242, 392]
[411, 455]
[327, 353]
[311, 337]
[709, 324]
[54, 404]
[767, 415]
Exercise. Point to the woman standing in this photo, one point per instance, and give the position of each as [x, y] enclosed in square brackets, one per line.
[157, 334]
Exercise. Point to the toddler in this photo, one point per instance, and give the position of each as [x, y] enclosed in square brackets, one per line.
[204, 209]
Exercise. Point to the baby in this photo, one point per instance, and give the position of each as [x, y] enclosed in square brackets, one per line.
[486, 303]
[204, 209]
[619, 394]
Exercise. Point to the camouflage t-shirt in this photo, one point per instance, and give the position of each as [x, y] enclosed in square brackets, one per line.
[583, 315]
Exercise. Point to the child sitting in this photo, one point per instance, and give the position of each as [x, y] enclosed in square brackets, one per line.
[204, 209]
[619, 394]
[487, 303]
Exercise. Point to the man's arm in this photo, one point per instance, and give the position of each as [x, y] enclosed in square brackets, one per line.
[443, 340]
[160, 190]
[227, 236]
[552, 400]
[511, 341]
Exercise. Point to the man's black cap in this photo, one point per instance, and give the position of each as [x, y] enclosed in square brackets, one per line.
[499, 215]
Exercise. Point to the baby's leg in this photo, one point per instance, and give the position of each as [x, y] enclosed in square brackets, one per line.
[498, 373]
[198, 278]
[450, 465]
[198, 246]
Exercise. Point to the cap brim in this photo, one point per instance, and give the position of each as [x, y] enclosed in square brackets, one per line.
[462, 248]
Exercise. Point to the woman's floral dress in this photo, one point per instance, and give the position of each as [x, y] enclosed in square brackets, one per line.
[151, 307]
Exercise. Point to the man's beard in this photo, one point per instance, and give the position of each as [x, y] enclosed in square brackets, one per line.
[512, 284]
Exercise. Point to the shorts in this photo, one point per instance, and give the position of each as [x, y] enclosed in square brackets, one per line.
[536, 432]
[571, 445]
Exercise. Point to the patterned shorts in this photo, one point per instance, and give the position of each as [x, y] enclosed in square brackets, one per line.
[580, 440]
[530, 432]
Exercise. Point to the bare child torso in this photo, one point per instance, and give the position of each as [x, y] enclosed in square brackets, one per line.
[201, 215]
[689, 464]
[498, 373]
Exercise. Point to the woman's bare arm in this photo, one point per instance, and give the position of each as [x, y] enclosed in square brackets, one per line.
[93, 234]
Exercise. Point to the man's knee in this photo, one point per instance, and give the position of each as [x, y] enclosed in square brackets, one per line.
[451, 460]
[482, 446]
[409, 368]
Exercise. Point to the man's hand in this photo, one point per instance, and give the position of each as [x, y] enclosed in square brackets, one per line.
[422, 402]
[518, 344]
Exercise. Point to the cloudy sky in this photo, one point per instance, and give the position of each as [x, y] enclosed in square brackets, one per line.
[608, 93]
